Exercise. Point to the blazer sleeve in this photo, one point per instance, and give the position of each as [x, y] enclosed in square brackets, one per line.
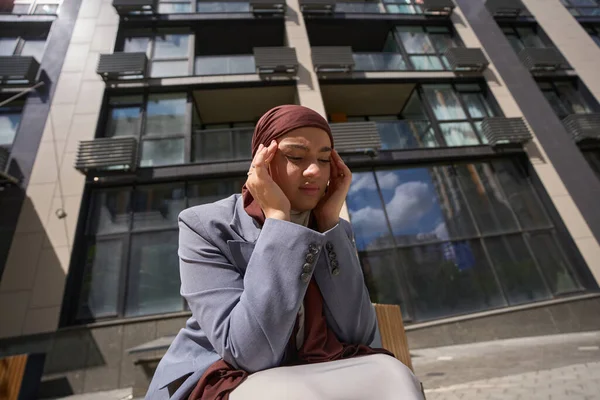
[351, 313]
[248, 319]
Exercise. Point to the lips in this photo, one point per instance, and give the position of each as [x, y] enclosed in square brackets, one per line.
[310, 189]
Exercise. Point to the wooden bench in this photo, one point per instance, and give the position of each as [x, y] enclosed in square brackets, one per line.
[391, 330]
[20, 376]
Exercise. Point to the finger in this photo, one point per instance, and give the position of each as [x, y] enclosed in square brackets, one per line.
[341, 165]
[271, 151]
[259, 158]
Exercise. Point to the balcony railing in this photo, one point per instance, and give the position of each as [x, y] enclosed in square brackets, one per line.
[505, 8]
[583, 126]
[18, 70]
[122, 65]
[360, 8]
[210, 145]
[503, 131]
[379, 62]
[466, 59]
[276, 60]
[332, 59]
[542, 59]
[225, 65]
[107, 154]
[124, 7]
[356, 137]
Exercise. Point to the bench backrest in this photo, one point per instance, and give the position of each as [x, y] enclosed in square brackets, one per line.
[391, 328]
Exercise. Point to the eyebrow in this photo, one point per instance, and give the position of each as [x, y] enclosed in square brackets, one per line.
[305, 148]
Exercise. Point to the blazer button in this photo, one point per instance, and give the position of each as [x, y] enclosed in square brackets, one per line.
[329, 246]
[332, 255]
[334, 263]
[313, 248]
[310, 257]
[335, 271]
[307, 268]
[305, 277]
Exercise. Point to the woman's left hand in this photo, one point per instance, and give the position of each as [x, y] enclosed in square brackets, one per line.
[327, 211]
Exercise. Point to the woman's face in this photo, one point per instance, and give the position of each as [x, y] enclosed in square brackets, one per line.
[301, 166]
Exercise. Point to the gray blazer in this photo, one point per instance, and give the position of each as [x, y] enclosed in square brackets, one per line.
[245, 286]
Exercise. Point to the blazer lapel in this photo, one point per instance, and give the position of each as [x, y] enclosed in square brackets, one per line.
[243, 224]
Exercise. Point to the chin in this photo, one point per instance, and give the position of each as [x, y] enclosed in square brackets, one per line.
[306, 205]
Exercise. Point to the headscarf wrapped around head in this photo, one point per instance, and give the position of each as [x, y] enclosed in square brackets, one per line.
[273, 124]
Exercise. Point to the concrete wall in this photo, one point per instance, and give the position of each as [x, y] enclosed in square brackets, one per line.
[31, 290]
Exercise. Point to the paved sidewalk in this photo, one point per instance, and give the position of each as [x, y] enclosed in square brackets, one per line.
[552, 367]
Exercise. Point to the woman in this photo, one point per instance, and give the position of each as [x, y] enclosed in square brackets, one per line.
[279, 305]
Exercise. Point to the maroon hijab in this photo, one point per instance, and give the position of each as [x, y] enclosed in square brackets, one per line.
[273, 124]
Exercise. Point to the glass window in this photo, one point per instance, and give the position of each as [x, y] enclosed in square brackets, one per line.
[489, 206]
[556, 269]
[379, 62]
[100, 286]
[124, 116]
[383, 277]
[424, 205]
[565, 98]
[444, 102]
[166, 114]
[404, 6]
[160, 152]
[212, 190]
[171, 46]
[136, 44]
[46, 9]
[154, 281]
[366, 211]
[459, 134]
[174, 7]
[223, 65]
[222, 7]
[456, 245]
[10, 119]
[450, 278]
[426, 45]
[156, 206]
[109, 212]
[358, 7]
[593, 158]
[583, 7]
[517, 270]
[165, 69]
[34, 48]
[397, 135]
[8, 46]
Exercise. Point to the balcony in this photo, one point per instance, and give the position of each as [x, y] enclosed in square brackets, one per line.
[583, 127]
[438, 7]
[317, 6]
[225, 65]
[122, 65]
[268, 7]
[276, 61]
[505, 8]
[505, 131]
[332, 59]
[125, 7]
[18, 70]
[463, 59]
[379, 62]
[356, 137]
[105, 154]
[542, 59]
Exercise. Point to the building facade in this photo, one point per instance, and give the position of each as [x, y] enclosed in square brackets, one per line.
[472, 128]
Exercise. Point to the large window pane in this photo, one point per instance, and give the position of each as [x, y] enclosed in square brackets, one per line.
[444, 102]
[383, 277]
[366, 212]
[222, 7]
[477, 105]
[406, 135]
[100, 286]
[521, 195]
[424, 205]
[572, 98]
[243, 142]
[174, 8]
[552, 262]
[110, 210]
[426, 63]
[166, 114]
[223, 65]
[213, 190]
[154, 282]
[7, 46]
[165, 69]
[156, 153]
[516, 269]
[171, 46]
[415, 40]
[124, 116]
[157, 206]
[450, 278]
[379, 62]
[212, 145]
[34, 48]
[459, 134]
[9, 124]
[136, 44]
[489, 206]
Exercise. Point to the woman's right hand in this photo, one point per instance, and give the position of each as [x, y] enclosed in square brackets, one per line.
[263, 188]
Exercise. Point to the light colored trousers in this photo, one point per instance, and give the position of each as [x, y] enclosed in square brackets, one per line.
[375, 376]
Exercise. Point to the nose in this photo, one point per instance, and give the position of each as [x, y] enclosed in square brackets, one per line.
[312, 171]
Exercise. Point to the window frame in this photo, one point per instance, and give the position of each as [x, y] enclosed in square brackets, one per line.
[575, 10]
[575, 85]
[14, 107]
[425, 27]
[33, 4]
[22, 36]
